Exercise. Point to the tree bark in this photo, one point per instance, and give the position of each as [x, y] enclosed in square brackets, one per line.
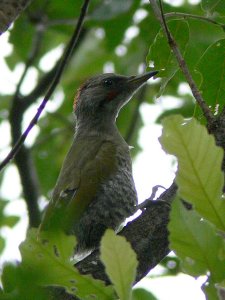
[9, 12]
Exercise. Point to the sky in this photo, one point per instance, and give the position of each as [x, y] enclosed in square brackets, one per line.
[152, 160]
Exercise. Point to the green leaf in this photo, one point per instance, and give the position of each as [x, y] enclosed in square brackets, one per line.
[118, 18]
[211, 291]
[196, 242]
[3, 204]
[91, 52]
[11, 221]
[212, 68]
[162, 56]
[16, 281]
[211, 6]
[142, 294]
[199, 177]
[57, 9]
[2, 244]
[9, 276]
[49, 257]
[22, 28]
[120, 262]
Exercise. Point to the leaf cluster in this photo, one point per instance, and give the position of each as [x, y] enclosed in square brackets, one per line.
[47, 262]
[197, 235]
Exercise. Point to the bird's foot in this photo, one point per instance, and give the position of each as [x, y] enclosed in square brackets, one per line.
[150, 201]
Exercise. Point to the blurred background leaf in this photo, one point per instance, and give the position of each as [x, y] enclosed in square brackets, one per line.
[212, 68]
[212, 6]
[161, 55]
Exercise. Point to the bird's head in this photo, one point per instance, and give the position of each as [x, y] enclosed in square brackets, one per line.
[102, 96]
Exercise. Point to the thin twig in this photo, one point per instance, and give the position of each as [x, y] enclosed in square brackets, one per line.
[173, 45]
[191, 16]
[62, 64]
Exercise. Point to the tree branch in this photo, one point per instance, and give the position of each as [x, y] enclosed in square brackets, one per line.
[173, 45]
[196, 17]
[217, 128]
[148, 236]
[60, 69]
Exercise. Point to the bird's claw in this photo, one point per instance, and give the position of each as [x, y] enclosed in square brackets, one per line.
[150, 201]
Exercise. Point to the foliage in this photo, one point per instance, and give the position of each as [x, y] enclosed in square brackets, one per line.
[211, 66]
[196, 234]
[160, 52]
[105, 45]
[120, 263]
[46, 259]
[142, 294]
[200, 181]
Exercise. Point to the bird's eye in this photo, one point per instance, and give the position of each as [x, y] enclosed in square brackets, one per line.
[108, 82]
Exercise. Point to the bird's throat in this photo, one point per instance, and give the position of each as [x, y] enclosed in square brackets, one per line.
[96, 126]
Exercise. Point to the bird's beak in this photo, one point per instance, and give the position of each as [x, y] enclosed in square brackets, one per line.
[137, 81]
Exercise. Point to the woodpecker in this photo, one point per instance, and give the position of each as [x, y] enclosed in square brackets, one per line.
[95, 189]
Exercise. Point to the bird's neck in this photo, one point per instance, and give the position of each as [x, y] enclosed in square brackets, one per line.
[96, 126]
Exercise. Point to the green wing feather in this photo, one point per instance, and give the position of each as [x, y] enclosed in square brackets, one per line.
[86, 166]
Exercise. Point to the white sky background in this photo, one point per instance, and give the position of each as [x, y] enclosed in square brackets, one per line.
[151, 167]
